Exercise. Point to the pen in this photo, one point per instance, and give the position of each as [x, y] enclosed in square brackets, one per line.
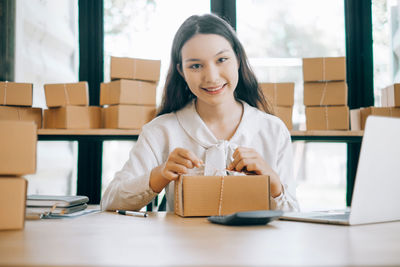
[132, 213]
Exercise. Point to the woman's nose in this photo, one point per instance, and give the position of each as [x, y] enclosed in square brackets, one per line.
[210, 73]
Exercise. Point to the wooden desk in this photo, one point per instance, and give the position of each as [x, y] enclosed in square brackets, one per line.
[164, 239]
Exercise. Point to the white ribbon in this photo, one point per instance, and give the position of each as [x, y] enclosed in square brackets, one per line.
[218, 156]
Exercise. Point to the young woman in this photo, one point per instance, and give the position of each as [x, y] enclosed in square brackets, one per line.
[213, 118]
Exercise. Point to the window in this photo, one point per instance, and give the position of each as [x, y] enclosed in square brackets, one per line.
[46, 51]
[276, 36]
[141, 29]
[386, 44]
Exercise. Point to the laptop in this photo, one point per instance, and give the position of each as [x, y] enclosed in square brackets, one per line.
[376, 195]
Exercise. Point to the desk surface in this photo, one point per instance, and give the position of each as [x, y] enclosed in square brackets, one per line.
[109, 239]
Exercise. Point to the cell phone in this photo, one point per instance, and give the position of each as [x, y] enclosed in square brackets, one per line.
[257, 217]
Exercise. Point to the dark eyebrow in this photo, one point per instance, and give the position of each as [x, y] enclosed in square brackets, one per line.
[195, 59]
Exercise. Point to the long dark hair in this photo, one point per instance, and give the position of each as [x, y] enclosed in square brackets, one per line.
[176, 92]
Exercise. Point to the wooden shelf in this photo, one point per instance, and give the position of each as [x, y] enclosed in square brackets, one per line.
[116, 132]
[97, 132]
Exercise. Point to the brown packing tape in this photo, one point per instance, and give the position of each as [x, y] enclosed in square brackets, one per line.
[221, 196]
[323, 94]
[66, 95]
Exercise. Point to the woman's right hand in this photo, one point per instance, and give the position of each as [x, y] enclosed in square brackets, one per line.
[178, 162]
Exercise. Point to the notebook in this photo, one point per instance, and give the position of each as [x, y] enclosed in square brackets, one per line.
[59, 201]
[376, 195]
[65, 210]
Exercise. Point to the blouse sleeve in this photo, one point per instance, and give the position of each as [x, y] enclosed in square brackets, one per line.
[130, 189]
[287, 199]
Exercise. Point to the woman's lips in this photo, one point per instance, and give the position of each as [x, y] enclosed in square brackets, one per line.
[214, 90]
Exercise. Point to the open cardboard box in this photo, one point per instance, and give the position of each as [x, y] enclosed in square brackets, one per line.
[12, 202]
[220, 195]
[16, 94]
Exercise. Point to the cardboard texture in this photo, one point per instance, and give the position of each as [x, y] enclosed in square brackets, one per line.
[128, 92]
[21, 114]
[220, 195]
[64, 94]
[325, 94]
[391, 96]
[135, 69]
[324, 69]
[16, 94]
[18, 147]
[285, 114]
[327, 118]
[279, 94]
[127, 116]
[12, 203]
[359, 116]
[73, 117]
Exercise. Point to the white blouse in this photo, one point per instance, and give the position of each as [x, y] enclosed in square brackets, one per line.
[263, 132]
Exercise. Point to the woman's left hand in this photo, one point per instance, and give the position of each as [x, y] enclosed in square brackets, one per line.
[248, 160]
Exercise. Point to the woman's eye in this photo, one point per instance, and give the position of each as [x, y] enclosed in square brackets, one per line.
[195, 66]
[222, 59]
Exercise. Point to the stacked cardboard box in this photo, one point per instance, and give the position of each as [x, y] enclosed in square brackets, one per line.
[68, 107]
[281, 96]
[129, 100]
[325, 93]
[391, 96]
[358, 117]
[390, 101]
[16, 103]
[17, 157]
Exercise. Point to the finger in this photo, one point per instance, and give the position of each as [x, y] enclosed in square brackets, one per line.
[240, 156]
[253, 167]
[190, 156]
[175, 168]
[241, 150]
[241, 165]
[182, 161]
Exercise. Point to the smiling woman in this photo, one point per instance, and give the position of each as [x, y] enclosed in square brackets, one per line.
[212, 118]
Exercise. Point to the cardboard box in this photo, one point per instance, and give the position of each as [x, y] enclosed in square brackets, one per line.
[325, 94]
[21, 114]
[18, 147]
[12, 203]
[128, 92]
[324, 69]
[127, 116]
[359, 116]
[279, 94]
[220, 195]
[135, 69]
[391, 96]
[285, 114]
[73, 117]
[16, 94]
[64, 94]
[327, 118]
